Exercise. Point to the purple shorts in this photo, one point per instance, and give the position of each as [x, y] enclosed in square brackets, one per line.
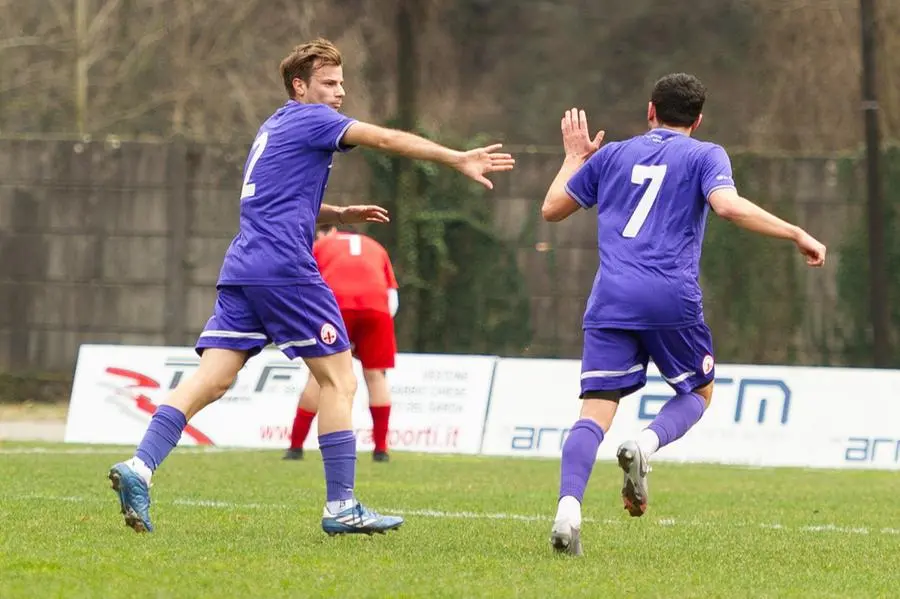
[616, 359]
[302, 320]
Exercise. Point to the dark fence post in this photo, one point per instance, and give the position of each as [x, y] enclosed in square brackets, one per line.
[178, 217]
[878, 276]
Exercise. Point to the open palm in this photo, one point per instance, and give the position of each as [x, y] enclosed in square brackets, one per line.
[479, 162]
[364, 214]
[577, 140]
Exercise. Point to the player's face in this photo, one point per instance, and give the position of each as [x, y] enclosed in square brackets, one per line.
[326, 86]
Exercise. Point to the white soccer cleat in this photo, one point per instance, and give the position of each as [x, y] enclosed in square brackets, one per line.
[635, 490]
[565, 538]
[358, 520]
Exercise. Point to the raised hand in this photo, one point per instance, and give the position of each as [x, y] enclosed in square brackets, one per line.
[576, 138]
[363, 213]
[479, 162]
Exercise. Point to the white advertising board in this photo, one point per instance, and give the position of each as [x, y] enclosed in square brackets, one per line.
[439, 401]
[760, 415]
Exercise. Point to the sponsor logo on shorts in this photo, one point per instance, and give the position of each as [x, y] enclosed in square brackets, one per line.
[328, 334]
[708, 364]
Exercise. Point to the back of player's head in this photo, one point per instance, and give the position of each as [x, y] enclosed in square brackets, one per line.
[678, 99]
[306, 58]
[322, 230]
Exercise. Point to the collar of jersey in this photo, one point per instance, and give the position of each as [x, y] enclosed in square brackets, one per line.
[662, 133]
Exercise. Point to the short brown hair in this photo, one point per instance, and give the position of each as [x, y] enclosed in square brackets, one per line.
[306, 58]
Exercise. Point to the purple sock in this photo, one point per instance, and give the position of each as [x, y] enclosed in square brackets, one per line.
[677, 416]
[339, 456]
[161, 437]
[578, 456]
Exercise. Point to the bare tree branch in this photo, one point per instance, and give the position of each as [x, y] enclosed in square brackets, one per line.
[102, 20]
[63, 13]
[136, 111]
[21, 42]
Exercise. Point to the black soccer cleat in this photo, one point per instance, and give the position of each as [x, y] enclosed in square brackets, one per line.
[293, 454]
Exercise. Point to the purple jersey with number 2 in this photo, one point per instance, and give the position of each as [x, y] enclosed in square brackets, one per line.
[284, 182]
[651, 195]
[269, 287]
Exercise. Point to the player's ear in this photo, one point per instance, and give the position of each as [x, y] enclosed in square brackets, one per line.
[299, 88]
[696, 123]
[651, 112]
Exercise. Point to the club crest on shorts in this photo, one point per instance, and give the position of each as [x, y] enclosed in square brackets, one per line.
[708, 364]
[328, 334]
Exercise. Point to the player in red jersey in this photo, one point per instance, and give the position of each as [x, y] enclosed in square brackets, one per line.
[358, 270]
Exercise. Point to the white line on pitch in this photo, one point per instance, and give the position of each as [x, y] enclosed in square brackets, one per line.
[124, 451]
[466, 515]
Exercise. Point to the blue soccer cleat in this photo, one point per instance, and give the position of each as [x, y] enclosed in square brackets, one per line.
[358, 520]
[134, 496]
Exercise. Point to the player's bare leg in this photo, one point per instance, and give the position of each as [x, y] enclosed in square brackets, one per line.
[131, 479]
[217, 371]
[337, 386]
[343, 513]
[380, 407]
[306, 412]
[675, 418]
[579, 455]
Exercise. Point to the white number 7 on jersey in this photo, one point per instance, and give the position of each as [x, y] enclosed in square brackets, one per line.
[639, 174]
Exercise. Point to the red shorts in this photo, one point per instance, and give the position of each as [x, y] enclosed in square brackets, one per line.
[372, 338]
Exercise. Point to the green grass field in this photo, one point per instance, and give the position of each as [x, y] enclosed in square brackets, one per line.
[246, 524]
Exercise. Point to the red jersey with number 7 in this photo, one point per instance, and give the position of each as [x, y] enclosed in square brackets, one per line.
[358, 270]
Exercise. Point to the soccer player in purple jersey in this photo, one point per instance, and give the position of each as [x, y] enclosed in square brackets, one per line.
[270, 289]
[652, 194]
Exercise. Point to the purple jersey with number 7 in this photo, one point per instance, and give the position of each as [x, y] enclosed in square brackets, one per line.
[651, 195]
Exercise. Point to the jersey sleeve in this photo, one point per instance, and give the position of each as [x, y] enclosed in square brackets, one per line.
[389, 273]
[582, 186]
[715, 171]
[326, 128]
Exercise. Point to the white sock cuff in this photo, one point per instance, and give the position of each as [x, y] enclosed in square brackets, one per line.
[138, 465]
[648, 441]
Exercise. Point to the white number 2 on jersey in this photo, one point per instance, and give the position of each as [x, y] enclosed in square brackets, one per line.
[639, 174]
[259, 144]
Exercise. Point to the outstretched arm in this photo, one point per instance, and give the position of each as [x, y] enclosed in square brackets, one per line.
[475, 164]
[729, 205]
[345, 215]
